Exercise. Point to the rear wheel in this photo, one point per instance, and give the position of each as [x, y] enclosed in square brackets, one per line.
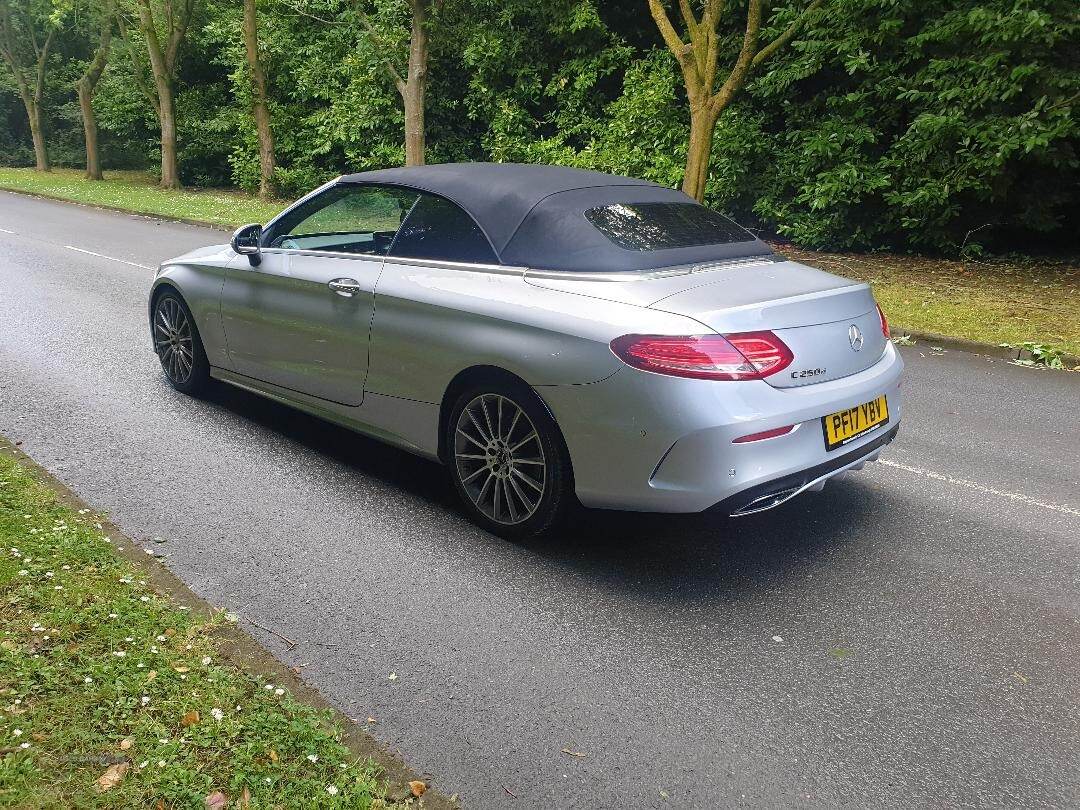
[178, 346]
[507, 460]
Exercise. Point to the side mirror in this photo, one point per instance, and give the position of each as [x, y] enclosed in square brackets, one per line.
[245, 241]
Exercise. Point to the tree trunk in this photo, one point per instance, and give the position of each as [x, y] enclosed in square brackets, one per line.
[413, 93]
[33, 113]
[90, 130]
[86, 85]
[259, 109]
[170, 176]
[699, 150]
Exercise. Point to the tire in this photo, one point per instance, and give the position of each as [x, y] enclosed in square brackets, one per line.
[510, 468]
[178, 345]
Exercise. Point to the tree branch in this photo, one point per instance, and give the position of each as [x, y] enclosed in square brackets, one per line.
[667, 30]
[787, 36]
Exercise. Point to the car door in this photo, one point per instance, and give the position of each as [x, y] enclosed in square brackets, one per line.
[301, 318]
[435, 280]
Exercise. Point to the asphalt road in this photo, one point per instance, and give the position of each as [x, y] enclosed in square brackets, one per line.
[908, 637]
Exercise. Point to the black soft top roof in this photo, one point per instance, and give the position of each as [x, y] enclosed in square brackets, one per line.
[534, 214]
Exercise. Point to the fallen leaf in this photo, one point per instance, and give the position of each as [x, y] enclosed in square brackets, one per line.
[189, 719]
[113, 775]
[151, 675]
[245, 798]
[216, 801]
[181, 669]
[38, 736]
[574, 753]
[1020, 677]
[393, 676]
[273, 755]
[126, 743]
[418, 788]
[170, 632]
[371, 719]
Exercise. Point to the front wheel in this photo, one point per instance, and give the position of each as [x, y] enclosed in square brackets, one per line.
[508, 461]
[178, 346]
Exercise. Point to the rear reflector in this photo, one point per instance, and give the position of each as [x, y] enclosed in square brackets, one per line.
[740, 356]
[765, 434]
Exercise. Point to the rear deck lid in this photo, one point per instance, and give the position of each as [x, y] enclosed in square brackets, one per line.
[833, 330]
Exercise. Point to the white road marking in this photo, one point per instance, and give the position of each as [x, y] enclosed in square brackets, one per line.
[5, 230]
[110, 258]
[1016, 496]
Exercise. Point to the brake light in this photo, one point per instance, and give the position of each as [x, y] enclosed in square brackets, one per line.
[741, 356]
[884, 322]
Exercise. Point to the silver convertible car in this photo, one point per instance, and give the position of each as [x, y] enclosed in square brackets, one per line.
[546, 333]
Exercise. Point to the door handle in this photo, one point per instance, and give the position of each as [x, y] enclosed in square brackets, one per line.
[346, 287]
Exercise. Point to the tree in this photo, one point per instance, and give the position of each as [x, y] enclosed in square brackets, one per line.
[259, 108]
[699, 58]
[26, 35]
[87, 84]
[174, 17]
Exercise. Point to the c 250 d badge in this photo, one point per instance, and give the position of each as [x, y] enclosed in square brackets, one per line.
[807, 372]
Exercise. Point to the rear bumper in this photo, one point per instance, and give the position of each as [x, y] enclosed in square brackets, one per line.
[780, 490]
[646, 442]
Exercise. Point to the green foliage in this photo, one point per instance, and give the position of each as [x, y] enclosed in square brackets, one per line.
[947, 125]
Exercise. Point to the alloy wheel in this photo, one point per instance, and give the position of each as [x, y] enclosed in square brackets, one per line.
[173, 339]
[500, 459]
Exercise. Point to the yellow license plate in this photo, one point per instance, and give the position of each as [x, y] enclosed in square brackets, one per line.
[851, 423]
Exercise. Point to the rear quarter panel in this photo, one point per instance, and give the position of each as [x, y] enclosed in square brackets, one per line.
[431, 322]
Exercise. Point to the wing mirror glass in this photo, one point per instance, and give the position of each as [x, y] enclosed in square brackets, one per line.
[245, 241]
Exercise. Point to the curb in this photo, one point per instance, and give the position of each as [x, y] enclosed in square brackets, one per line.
[243, 651]
[972, 346]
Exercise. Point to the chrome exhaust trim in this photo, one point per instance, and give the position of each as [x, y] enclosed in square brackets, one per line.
[775, 499]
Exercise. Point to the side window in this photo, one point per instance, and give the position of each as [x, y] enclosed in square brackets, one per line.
[439, 229]
[345, 219]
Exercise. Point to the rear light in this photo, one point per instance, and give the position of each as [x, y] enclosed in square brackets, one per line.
[884, 322]
[765, 434]
[741, 356]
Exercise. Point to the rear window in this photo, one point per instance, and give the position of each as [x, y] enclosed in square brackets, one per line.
[664, 225]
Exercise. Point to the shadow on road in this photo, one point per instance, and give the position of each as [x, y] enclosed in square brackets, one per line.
[663, 557]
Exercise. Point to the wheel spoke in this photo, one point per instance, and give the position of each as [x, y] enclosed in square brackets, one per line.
[471, 476]
[485, 436]
[471, 439]
[472, 456]
[513, 425]
[509, 500]
[527, 480]
[536, 461]
[529, 504]
[487, 418]
[532, 435]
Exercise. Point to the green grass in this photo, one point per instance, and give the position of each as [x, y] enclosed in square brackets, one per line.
[990, 302]
[136, 191]
[98, 671]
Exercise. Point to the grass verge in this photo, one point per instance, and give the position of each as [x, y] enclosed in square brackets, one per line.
[114, 696]
[989, 302]
[137, 192]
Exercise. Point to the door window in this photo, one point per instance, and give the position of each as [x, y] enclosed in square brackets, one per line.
[439, 229]
[345, 219]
